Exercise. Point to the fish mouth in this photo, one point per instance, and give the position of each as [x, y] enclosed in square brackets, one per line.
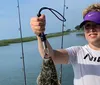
[46, 59]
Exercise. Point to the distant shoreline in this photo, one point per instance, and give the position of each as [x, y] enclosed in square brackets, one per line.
[32, 38]
[27, 39]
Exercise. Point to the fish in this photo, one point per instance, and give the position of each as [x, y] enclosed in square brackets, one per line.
[48, 74]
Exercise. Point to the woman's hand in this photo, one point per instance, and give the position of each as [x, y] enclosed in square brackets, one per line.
[38, 24]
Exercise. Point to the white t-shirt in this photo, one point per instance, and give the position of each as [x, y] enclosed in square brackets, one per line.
[86, 65]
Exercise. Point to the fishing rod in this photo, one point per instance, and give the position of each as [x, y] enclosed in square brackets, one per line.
[63, 25]
[21, 43]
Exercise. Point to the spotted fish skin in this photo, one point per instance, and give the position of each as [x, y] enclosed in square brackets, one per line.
[48, 74]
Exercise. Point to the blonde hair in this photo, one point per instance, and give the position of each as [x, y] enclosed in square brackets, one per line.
[93, 7]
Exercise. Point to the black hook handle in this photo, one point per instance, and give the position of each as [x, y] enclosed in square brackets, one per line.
[42, 35]
[53, 11]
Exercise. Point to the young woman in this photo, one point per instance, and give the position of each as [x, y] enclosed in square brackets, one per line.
[84, 59]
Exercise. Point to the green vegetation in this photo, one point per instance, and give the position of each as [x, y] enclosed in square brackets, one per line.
[27, 39]
[57, 34]
[78, 28]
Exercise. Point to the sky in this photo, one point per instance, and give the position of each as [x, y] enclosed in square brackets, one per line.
[9, 21]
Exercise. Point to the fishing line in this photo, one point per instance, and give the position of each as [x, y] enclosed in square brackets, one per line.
[63, 25]
[43, 36]
[60, 76]
[21, 43]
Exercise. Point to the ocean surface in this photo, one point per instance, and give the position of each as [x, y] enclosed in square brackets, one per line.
[11, 66]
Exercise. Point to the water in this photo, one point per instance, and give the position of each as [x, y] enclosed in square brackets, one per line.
[11, 72]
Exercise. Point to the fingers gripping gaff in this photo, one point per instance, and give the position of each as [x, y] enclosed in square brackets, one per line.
[42, 35]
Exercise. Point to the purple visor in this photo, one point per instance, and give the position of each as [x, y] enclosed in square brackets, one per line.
[93, 16]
